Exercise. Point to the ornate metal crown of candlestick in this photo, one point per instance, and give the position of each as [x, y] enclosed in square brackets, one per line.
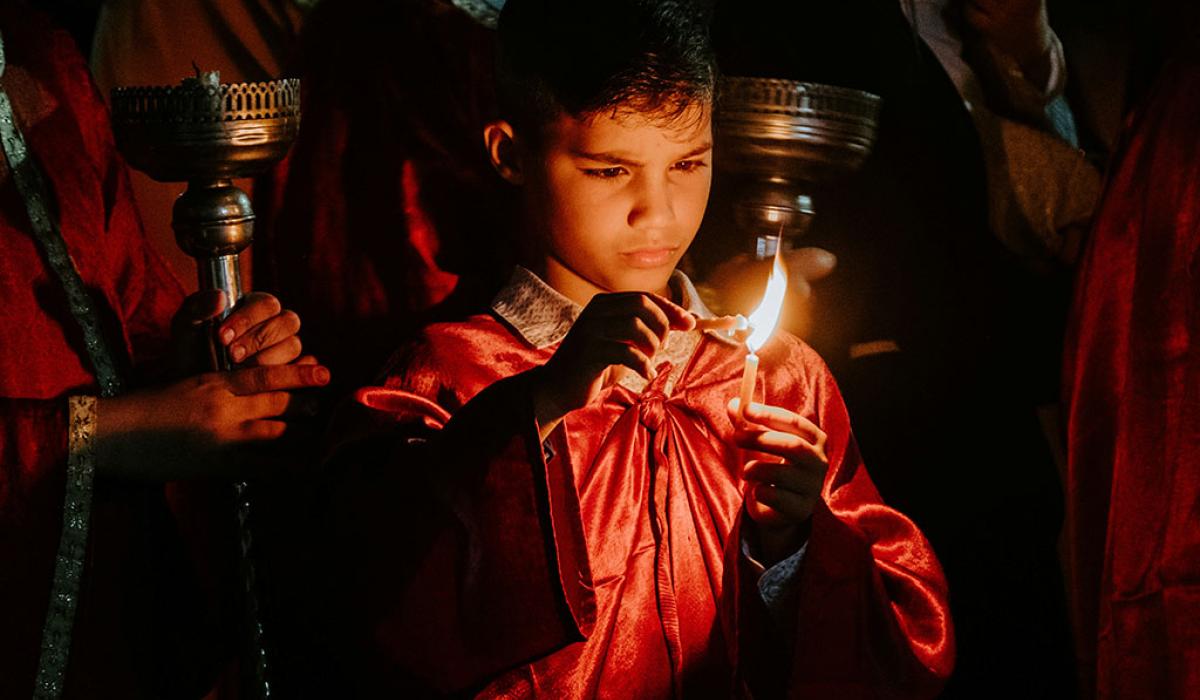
[780, 137]
[206, 134]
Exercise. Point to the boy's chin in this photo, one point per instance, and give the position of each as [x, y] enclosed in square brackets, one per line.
[654, 281]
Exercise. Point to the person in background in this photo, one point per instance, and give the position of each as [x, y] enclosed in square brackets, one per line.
[102, 409]
[1132, 390]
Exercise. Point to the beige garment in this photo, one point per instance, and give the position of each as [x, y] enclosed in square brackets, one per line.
[1041, 190]
[157, 42]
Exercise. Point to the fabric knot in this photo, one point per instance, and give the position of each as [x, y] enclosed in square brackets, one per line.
[652, 411]
[652, 403]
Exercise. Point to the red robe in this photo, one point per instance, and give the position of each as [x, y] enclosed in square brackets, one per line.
[1133, 390]
[124, 644]
[608, 565]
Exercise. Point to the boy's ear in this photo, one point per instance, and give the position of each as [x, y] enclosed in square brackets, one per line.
[501, 144]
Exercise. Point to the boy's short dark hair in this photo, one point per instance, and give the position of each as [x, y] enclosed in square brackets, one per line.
[585, 57]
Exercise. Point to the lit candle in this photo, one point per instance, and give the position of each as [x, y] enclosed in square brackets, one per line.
[749, 378]
[762, 325]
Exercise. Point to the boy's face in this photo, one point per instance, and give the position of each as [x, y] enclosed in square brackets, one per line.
[617, 199]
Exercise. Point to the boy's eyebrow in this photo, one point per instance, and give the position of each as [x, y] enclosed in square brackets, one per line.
[619, 159]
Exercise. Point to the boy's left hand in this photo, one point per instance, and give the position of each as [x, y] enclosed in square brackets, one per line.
[259, 332]
[780, 495]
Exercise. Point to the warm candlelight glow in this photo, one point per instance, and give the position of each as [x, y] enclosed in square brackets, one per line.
[762, 324]
[766, 316]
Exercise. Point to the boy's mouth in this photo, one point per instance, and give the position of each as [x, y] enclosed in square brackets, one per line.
[648, 258]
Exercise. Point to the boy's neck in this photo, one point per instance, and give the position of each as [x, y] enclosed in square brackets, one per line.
[575, 287]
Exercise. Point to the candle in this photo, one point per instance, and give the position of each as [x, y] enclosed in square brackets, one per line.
[749, 377]
[762, 323]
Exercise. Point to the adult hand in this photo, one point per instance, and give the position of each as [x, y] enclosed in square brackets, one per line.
[783, 486]
[259, 332]
[1019, 28]
[194, 427]
[804, 266]
[623, 329]
[736, 285]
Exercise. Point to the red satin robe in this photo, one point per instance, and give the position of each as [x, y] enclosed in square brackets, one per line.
[132, 627]
[609, 564]
[1132, 377]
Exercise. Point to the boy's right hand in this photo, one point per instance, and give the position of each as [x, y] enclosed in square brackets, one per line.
[186, 429]
[623, 329]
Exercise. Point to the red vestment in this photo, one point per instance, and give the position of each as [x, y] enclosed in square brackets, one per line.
[123, 645]
[1132, 376]
[606, 563]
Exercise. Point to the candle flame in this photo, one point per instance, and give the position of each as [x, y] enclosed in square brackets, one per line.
[766, 316]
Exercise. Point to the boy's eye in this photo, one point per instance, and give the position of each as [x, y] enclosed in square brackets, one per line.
[604, 173]
[687, 166]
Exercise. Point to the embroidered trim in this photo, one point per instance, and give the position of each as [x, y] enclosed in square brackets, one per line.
[32, 187]
[72, 547]
[77, 503]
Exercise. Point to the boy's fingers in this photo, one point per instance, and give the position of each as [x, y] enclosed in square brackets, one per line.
[793, 506]
[253, 309]
[679, 317]
[786, 445]
[306, 360]
[256, 380]
[784, 475]
[634, 331]
[720, 323]
[634, 359]
[636, 304]
[781, 419]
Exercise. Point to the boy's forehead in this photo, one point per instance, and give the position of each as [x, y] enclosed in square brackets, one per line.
[628, 129]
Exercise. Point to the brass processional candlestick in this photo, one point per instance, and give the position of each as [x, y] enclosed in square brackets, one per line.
[207, 134]
[778, 139]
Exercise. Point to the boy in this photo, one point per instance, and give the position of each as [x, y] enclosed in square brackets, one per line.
[584, 522]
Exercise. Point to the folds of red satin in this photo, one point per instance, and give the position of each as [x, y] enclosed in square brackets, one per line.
[637, 508]
[1132, 374]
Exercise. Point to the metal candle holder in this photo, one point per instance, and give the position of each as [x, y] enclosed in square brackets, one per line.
[207, 134]
[779, 138]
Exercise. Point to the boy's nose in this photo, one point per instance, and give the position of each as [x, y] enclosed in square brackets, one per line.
[653, 207]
